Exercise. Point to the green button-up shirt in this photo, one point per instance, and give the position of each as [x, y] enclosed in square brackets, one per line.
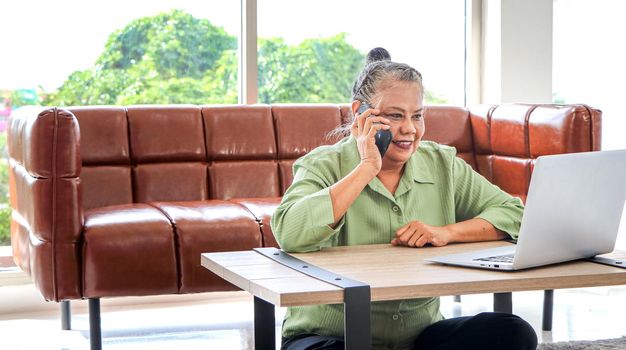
[436, 188]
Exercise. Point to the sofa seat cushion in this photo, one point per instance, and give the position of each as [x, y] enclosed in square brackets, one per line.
[262, 209]
[208, 226]
[128, 250]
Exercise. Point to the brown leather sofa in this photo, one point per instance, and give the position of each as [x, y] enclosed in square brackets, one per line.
[121, 201]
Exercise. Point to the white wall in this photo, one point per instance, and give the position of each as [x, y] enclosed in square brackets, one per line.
[517, 62]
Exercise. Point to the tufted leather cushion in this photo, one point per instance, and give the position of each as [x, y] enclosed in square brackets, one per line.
[262, 209]
[128, 250]
[563, 129]
[451, 126]
[104, 135]
[299, 128]
[41, 205]
[208, 226]
[170, 182]
[286, 174]
[106, 185]
[239, 132]
[106, 173]
[35, 134]
[166, 134]
[241, 145]
[244, 179]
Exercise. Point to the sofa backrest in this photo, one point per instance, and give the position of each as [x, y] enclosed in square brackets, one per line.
[508, 138]
[502, 142]
[178, 152]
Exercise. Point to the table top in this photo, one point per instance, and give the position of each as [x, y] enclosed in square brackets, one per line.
[397, 273]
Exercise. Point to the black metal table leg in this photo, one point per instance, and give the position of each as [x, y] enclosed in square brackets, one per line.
[264, 325]
[503, 302]
[66, 315]
[95, 330]
[357, 303]
[548, 305]
[357, 326]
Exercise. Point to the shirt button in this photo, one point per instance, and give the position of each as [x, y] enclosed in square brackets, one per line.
[395, 317]
[395, 208]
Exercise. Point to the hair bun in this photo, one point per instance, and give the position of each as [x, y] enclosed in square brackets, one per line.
[377, 54]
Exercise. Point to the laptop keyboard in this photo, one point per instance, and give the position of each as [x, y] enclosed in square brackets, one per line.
[498, 258]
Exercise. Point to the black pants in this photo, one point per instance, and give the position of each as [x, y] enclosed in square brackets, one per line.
[488, 330]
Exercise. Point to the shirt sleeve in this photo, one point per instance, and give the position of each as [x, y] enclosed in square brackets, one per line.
[476, 197]
[301, 221]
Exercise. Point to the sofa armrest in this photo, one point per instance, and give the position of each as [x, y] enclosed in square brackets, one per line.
[44, 190]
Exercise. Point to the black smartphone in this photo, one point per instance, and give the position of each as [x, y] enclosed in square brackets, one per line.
[383, 137]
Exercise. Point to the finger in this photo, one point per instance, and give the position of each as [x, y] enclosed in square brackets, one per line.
[367, 125]
[374, 128]
[401, 230]
[376, 119]
[365, 114]
[369, 114]
[412, 239]
[398, 242]
[422, 238]
[417, 235]
[361, 118]
[406, 236]
[422, 241]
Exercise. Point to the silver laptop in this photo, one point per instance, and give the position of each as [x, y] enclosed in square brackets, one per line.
[573, 211]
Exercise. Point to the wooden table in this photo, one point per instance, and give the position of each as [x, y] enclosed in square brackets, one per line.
[391, 273]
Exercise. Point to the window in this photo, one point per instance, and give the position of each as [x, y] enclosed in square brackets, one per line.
[313, 52]
[72, 52]
[589, 61]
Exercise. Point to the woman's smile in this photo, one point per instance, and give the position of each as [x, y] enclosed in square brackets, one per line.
[403, 144]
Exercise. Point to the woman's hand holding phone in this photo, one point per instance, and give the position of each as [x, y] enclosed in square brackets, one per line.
[364, 129]
[345, 191]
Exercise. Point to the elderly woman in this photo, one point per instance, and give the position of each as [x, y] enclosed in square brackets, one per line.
[419, 193]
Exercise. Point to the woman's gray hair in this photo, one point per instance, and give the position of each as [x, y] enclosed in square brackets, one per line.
[378, 70]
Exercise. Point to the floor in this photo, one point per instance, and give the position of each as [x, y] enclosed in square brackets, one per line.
[224, 320]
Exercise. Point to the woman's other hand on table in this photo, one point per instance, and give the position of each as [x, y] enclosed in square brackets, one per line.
[418, 234]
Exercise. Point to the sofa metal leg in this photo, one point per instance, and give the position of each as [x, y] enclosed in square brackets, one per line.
[95, 331]
[66, 315]
[548, 306]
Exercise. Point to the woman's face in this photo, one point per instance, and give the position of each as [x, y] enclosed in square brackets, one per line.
[401, 102]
